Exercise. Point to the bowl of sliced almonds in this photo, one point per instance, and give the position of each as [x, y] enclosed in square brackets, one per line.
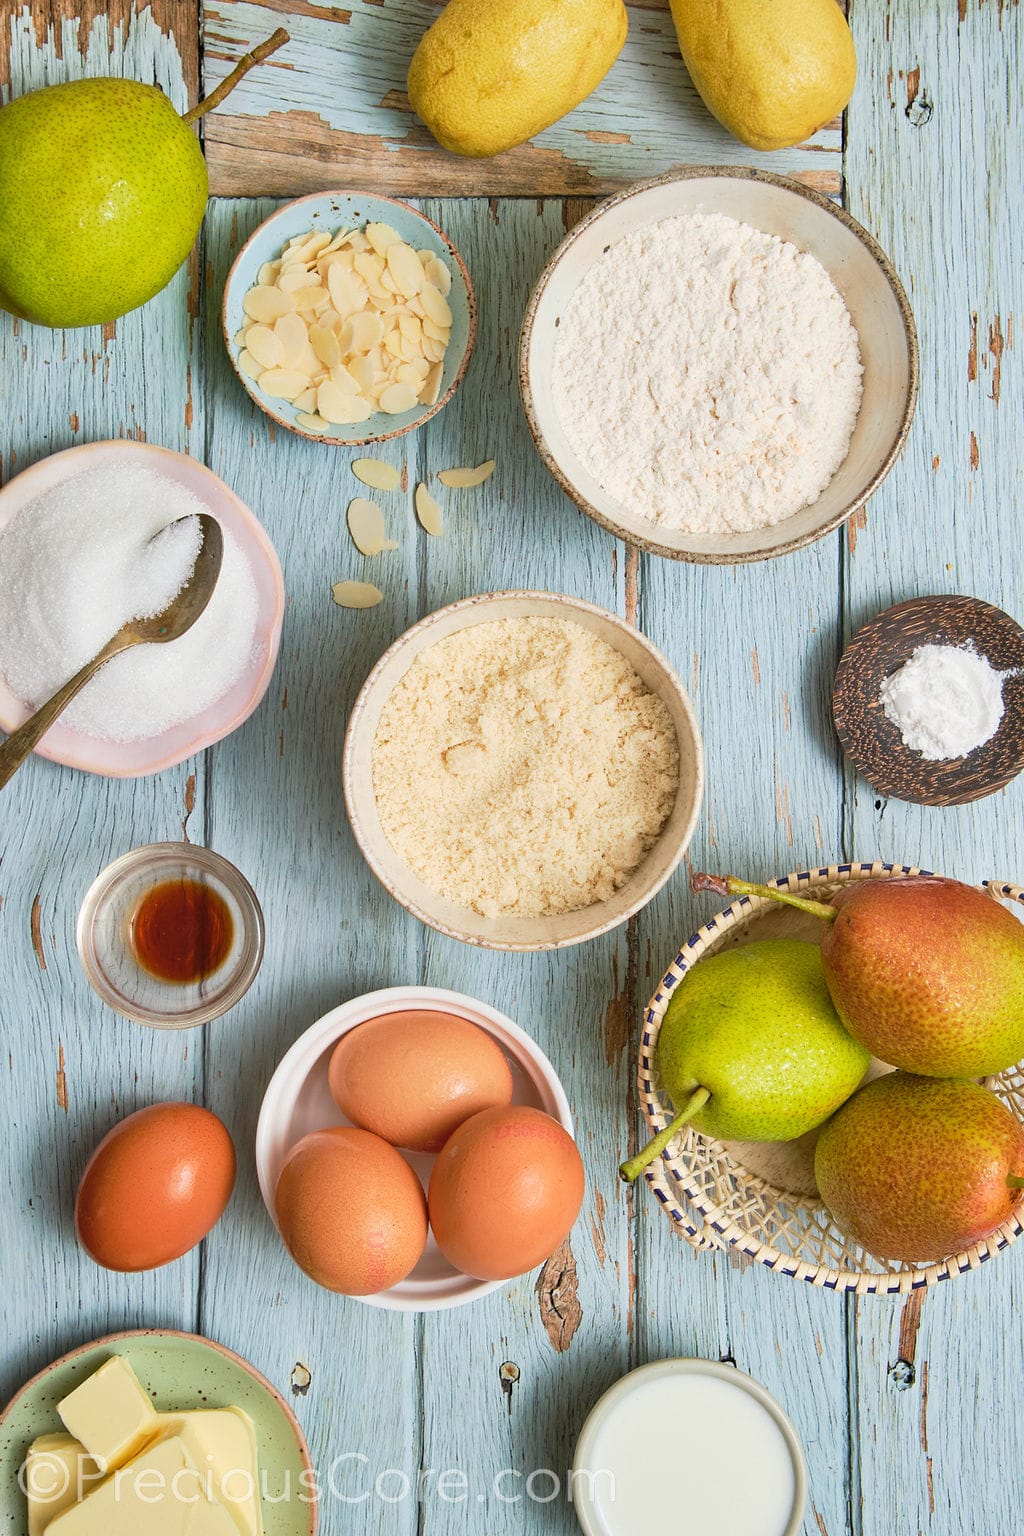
[349, 318]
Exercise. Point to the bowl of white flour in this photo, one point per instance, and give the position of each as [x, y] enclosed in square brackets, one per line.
[719, 365]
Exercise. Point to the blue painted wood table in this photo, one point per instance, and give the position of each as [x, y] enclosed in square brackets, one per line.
[910, 1410]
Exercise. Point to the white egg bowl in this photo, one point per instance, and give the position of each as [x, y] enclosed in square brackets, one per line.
[509, 930]
[860, 270]
[298, 1101]
[329, 212]
[152, 754]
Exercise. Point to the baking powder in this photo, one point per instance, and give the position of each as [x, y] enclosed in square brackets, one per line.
[946, 700]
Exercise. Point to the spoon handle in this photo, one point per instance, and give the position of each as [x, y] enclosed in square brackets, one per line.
[21, 742]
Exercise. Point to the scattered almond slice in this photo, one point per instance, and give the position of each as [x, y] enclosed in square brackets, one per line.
[462, 478]
[312, 422]
[376, 474]
[429, 512]
[356, 594]
[366, 525]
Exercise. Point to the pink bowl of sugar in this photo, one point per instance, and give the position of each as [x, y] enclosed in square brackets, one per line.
[83, 548]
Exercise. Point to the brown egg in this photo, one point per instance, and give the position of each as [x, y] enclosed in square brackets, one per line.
[351, 1211]
[154, 1187]
[413, 1077]
[505, 1191]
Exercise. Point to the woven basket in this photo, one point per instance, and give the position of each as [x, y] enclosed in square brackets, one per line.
[759, 1198]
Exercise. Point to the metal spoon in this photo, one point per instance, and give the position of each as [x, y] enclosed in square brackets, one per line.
[178, 617]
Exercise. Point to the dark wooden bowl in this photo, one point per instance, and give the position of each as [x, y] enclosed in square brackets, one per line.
[874, 744]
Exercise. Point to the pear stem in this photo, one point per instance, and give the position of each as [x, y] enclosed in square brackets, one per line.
[730, 886]
[1015, 1180]
[634, 1166]
[252, 58]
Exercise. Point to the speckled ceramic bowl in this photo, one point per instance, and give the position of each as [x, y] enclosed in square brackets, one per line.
[181, 1371]
[863, 275]
[129, 759]
[298, 1100]
[510, 931]
[332, 211]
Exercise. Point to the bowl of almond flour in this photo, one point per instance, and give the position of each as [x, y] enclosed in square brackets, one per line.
[719, 365]
[523, 770]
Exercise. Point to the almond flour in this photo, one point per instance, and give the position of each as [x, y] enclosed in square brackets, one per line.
[708, 375]
[522, 766]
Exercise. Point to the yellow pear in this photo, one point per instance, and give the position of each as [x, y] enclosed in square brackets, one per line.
[489, 74]
[771, 71]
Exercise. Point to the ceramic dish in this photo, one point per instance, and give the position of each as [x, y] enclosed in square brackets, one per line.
[512, 932]
[330, 211]
[180, 1370]
[129, 759]
[874, 743]
[604, 1509]
[760, 1197]
[863, 275]
[298, 1101]
[103, 936]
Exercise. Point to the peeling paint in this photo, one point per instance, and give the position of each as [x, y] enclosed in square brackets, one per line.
[35, 924]
[62, 1079]
[557, 1292]
[995, 347]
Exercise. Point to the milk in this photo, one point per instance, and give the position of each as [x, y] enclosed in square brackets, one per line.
[689, 1453]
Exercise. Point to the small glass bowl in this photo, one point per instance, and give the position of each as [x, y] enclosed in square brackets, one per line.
[108, 958]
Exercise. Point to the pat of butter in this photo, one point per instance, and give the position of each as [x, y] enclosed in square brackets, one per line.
[222, 1444]
[111, 1414]
[160, 1493]
[58, 1472]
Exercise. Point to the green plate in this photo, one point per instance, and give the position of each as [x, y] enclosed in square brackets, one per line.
[180, 1371]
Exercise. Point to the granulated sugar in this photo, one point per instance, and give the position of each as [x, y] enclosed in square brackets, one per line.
[708, 375]
[80, 560]
[522, 766]
[946, 700]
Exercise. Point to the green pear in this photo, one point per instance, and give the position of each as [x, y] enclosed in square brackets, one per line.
[927, 973]
[751, 1048]
[917, 1168]
[103, 188]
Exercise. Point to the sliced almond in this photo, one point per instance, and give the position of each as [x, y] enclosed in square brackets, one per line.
[356, 594]
[307, 400]
[293, 278]
[361, 333]
[404, 266]
[312, 296]
[381, 236]
[432, 386]
[283, 383]
[429, 512]
[369, 266]
[325, 345]
[312, 422]
[397, 399]
[339, 408]
[345, 380]
[437, 273]
[435, 305]
[269, 272]
[291, 331]
[265, 345]
[462, 478]
[266, 304]
[366, 525]
[433, 350]
[376, 474]
[248, 365]
[339, 239]
[239, 337]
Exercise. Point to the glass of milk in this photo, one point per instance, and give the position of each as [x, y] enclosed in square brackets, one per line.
[689, 1446]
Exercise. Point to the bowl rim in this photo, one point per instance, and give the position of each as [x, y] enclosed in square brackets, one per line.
[327, 1030]
[685, 1365]
[192, 1338]
[153, 856]
[547, 601]
[820, 200]
[83, 757]
[325, 437]
[678, 1192]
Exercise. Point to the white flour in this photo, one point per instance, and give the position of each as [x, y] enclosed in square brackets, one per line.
[946, 701]
[708, 375]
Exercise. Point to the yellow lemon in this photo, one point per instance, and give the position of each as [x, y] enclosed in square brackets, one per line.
[771, 71]
[491, 73]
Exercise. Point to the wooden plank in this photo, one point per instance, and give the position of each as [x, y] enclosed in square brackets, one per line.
[933, 172]
[333, 932]
[330, 110]
[74, 1067]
